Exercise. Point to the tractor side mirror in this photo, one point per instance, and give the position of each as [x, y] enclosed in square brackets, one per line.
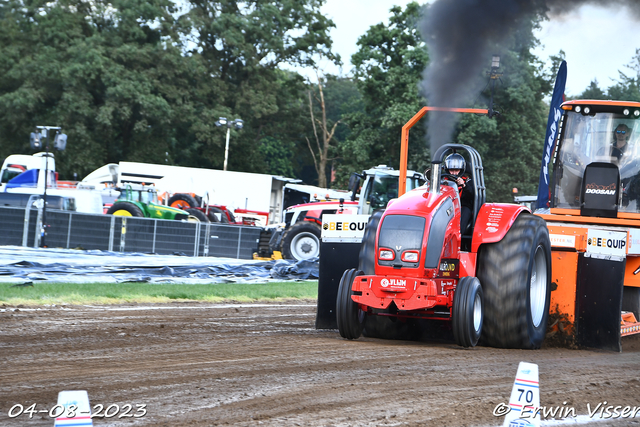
[354, 182]
[36, 140]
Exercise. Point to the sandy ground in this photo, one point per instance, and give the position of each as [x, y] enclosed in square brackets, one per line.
[265, 364]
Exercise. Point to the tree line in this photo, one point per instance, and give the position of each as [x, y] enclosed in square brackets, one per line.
[146, 81]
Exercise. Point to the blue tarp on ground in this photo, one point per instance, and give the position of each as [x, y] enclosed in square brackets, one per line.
[20, 265]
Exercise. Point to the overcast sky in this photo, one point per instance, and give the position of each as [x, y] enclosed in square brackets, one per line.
[597, 42]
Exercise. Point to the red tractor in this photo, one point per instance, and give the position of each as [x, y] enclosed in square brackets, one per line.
[490, 281]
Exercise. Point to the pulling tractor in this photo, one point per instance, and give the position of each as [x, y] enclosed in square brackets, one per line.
[577, 262]
[492, 280]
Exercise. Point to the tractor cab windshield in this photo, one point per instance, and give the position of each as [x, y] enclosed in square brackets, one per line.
[140, 194]
[603, 137]
[383, 187]
[149, 196]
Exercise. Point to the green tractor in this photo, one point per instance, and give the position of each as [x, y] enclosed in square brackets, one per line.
[142, 201]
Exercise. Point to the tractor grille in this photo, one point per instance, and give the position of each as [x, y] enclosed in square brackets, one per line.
[401, 233]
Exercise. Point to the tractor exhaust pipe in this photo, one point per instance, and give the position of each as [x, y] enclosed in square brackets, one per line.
[435, 177]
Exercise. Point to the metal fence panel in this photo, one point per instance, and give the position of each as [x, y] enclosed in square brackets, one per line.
[175, 237]
[105, 232]
[12, 224]
[89, 232]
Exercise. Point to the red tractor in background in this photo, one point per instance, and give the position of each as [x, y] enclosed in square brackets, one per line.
[200, 208]
[492, 280]
[370, 190]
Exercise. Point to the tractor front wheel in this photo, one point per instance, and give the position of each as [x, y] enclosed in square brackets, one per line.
[348, 314]
[182, 201]
[385, 327]
[467, 312]
[367, 256]
[301, 241]
[198, 214]
[125, 209]
[217, 215]
[516, 279]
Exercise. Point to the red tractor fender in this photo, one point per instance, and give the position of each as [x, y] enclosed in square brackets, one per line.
[493, 222]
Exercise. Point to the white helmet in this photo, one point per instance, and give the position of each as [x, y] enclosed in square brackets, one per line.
[455, 161]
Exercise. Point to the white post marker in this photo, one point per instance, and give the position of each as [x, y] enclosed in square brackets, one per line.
[74, 409]
[525, 398]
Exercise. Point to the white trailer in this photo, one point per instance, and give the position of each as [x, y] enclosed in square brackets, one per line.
[236, 190]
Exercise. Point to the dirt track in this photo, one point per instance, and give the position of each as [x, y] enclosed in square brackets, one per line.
[231, 364]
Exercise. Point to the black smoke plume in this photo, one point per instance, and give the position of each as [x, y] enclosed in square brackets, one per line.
[462, 35]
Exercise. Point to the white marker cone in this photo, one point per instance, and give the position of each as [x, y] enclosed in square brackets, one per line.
[74, 409]
[525, 398]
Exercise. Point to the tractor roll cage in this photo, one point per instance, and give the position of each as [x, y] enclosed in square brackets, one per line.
[404, 143]
[477, 174]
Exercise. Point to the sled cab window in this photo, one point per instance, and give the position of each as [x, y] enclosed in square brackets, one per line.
[592, 138]
[383, 188]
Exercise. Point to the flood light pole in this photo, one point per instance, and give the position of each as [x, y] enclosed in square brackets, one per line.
[60, 143]
[494, 75]
[238, 124]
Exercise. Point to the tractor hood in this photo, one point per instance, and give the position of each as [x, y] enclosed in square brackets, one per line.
[418, 222]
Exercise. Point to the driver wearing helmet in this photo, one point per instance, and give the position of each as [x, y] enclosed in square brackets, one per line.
[620, 138]
[455, 165]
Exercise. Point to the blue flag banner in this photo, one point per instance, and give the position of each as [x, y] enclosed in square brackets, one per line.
[550, 138]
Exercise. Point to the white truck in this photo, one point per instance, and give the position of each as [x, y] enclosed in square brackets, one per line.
[25, 175]
[299, 236]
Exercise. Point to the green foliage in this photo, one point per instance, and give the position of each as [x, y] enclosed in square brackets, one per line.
[140, 80]
[242, 44]
[628, 86]
[134, 80]
[511, 144]
[112, 293]
[388, 67]
[593, 91]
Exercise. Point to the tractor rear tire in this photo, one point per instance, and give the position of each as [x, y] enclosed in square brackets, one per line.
[213, 216]
[516, 279]
[125, 209]
[198, 214]
[467, 312]
[301, 241]
[349, 317]
[182, 201]
[631, 300]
